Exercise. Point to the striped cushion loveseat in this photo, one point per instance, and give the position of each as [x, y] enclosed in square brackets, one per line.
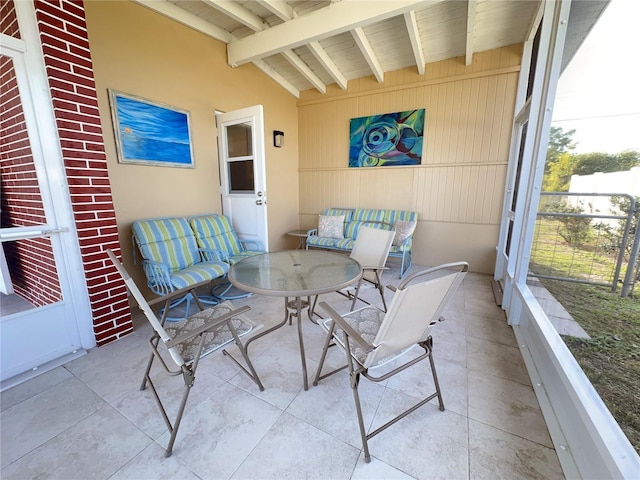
[404, 222]
[171, 259]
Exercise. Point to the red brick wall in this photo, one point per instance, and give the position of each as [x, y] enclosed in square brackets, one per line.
[9, 22]
[33, 272]
[63, 34]
[67, 58]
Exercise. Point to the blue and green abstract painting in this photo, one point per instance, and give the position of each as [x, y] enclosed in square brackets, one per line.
[390, 139]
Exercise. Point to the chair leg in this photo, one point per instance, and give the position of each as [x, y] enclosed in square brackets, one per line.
[327, 343]
[176, 424]
[435, 375]
[146, 373]
[355, 295]
[381, 290]
[355, 380]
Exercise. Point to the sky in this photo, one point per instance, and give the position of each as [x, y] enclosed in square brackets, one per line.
[598, 93]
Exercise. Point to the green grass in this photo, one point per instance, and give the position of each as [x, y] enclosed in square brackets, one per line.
[611, 357]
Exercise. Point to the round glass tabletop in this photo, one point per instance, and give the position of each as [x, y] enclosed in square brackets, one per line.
[295, 273]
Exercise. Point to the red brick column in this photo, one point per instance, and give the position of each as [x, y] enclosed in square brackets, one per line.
[67, 57]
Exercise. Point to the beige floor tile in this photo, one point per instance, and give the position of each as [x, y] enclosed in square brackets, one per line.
[494, 453]
[31, 423]
[508, 406]
[114, 369]
[88, 419]
[151, 464]
[491, 329]
[427, 444]
[497, 360]
[294, 449]
[377, 470]
[217, 435]
[33, 387]
[96, 447]
[330, 406]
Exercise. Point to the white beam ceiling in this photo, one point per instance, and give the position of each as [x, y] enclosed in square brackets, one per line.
[337, 18]
[187, 19]
[304, 70]
[368, 53]
[238, 13]
[193, 21]
[414, 37]
[323, 57]
[471, 18]
[279, 8]
[255, 23]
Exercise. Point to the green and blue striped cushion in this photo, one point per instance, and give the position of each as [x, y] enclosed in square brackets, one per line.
[214, 232]
[198, 273]
[166, 240]
[347, 212]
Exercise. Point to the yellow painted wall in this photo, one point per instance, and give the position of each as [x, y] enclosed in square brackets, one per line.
[457, 190]
[140, 52]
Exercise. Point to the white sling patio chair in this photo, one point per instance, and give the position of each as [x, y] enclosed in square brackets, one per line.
[189, 340]
[371, 251]
[372, 338]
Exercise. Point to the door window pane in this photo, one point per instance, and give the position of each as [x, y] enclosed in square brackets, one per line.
[241, 176]
[239, 140]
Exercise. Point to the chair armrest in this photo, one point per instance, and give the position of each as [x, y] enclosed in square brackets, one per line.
[351, 333]
[211, 255]
[312, 232]
[246, 244]
[158, 278]
[206, 326]
[178, 293]
[374, 268]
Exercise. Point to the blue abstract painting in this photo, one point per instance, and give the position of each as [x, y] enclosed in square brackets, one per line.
[149, 133]
[390, 139]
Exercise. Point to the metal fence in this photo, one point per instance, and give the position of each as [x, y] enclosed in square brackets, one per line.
[587, 238]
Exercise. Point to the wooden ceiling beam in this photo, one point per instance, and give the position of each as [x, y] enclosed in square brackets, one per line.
[325, 60]
[339, 17]
[414, 37]
[471, 19]
[180, 15]
[238, 13]
[279, 8]
[368, 53]
[190, 20]
[304, 70]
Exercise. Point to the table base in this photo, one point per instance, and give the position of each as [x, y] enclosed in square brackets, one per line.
[293, 308]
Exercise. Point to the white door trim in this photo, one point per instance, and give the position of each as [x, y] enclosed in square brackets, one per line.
[49, 164]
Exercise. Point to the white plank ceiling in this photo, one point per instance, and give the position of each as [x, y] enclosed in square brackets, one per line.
[305, 44]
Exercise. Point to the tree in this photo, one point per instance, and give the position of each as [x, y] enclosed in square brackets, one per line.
[558, 177]
[589, 163]
[560, 142]
[574, 230]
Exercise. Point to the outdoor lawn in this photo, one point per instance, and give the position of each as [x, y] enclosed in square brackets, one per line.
[611, 357]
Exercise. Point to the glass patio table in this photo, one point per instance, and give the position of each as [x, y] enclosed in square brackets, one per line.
[294, 273]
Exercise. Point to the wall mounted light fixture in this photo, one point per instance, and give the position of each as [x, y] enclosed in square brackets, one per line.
[278, 138]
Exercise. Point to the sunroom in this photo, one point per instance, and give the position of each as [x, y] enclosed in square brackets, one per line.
[484, 72]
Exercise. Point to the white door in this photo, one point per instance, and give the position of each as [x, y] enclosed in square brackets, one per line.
[242, 172]
[42, 300]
